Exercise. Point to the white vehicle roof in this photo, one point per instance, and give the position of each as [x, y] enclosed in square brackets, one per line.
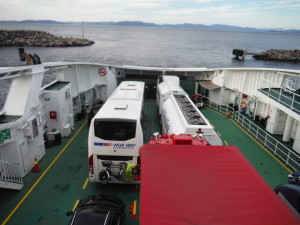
[170, 84]
[184, 117]
[125, 102]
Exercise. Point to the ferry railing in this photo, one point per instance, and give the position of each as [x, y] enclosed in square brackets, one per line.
[282, 95]
[293, 82]
[10, 172]
[225, 109]
[284, 154]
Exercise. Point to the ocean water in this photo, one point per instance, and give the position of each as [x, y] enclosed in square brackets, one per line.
[159, 47]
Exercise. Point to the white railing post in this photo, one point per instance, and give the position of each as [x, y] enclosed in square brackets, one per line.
[293, 102]
[280, 93]
[275, 148]
[256, 136]
[243, 121]
[10, 172]
[288, 157]
[265, 142]
[249, 126]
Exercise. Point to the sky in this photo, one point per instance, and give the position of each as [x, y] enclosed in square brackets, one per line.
[245, 13]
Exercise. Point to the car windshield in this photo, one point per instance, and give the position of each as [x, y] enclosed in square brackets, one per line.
[90, 216]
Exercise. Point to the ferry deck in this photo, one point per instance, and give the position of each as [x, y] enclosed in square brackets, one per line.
[63, 179]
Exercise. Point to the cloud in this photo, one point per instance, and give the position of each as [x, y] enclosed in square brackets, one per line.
[253, 13]
[287, 4]
[204, 1]
[118, 3]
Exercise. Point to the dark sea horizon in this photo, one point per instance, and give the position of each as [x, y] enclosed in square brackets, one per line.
[157, 47]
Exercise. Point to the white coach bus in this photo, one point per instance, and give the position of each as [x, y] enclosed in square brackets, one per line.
[116, 135]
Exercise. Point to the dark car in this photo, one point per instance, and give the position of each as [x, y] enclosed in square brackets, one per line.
[291, 193]
[100, 210]
[94, 111]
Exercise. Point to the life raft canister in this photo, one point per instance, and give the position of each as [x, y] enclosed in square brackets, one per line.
[243, 104]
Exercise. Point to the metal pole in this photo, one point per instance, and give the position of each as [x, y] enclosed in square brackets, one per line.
[82, 29]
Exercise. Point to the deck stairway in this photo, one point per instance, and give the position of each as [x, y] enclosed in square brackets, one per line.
[10, 176]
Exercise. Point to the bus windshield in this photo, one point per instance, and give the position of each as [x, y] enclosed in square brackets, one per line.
[115, 129]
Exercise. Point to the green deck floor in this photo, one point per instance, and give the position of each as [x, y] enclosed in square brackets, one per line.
[270, 169]
[60, 187]
[62, 184]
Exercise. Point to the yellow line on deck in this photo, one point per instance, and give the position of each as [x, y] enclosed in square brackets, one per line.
[213, 126]
[216, 112]
[219, 134]
[263, 147]
[134, 207]
[85, 183]
[44, 173]
[226, 143]
[75, 206]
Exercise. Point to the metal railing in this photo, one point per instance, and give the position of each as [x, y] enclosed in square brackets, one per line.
[284, 154]
[284, 96]
[10, 172]
[225, 109]
[293, 82]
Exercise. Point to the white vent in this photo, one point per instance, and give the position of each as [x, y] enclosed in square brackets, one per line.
[121, 107]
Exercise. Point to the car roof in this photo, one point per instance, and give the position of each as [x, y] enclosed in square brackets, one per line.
[103, 203]
[91, 215]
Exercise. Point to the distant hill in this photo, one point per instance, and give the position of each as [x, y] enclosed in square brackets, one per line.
[144, 24]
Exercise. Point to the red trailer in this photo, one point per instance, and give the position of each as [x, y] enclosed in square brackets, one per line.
[203, 184]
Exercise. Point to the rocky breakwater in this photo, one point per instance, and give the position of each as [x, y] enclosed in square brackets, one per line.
[30, 38]
[279, 55]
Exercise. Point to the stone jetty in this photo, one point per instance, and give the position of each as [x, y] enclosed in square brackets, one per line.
[31, 38]
[270, 55]
[279, 55]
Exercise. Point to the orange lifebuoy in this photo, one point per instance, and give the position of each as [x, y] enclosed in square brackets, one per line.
[102, 72]
[243, 104]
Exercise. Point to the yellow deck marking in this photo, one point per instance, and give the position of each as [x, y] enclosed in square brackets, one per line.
[226, 143]
[219, 134]
[213, 126]
[85, 183]
[216, 112]
[44, 173]
[263, 147]
[75, 206]
[134, 207]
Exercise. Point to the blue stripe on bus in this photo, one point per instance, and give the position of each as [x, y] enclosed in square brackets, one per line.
[99, 144]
